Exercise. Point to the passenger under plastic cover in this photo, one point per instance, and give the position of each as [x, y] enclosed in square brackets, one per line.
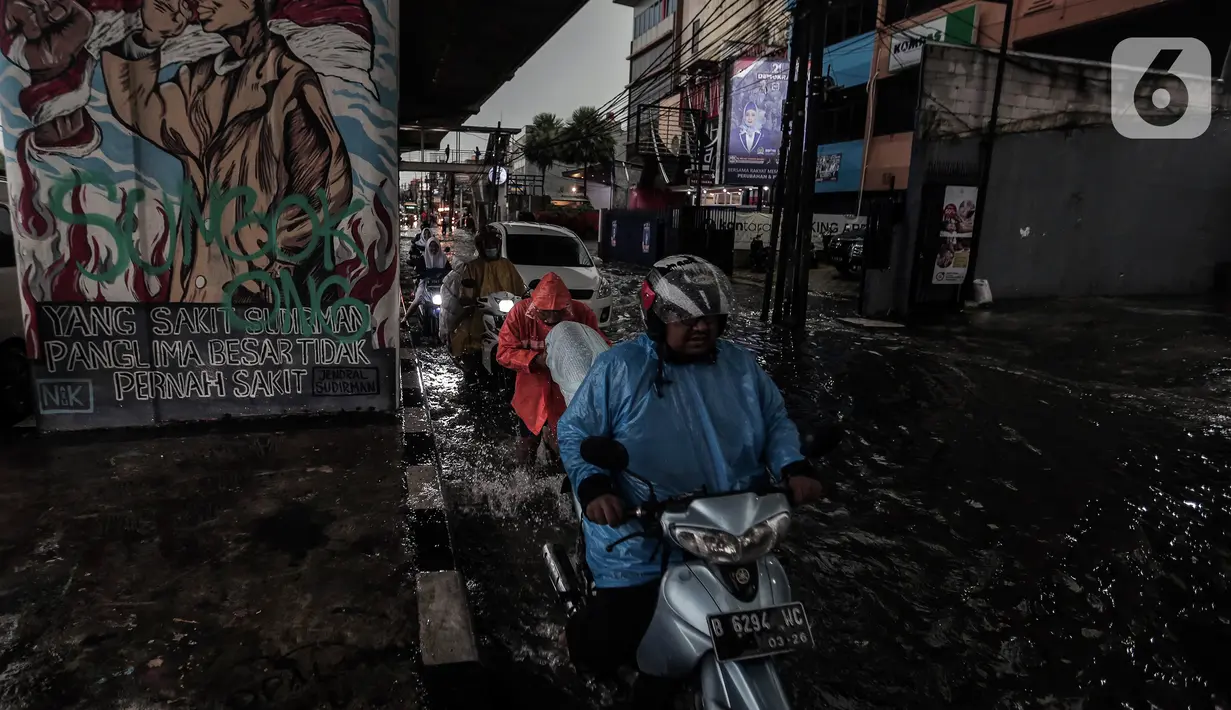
[571, 350]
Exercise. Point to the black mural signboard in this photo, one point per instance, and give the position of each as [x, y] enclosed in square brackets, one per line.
[137, 363]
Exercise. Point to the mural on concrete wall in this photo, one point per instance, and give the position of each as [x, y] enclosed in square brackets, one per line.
[203, 195]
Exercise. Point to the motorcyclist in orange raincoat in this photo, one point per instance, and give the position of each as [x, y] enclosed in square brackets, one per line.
[522, 348]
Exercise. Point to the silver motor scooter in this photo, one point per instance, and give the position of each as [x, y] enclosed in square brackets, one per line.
[723, 612]
[496, 308]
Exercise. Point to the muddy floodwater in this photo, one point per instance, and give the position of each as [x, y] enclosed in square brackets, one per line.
[1031, 510]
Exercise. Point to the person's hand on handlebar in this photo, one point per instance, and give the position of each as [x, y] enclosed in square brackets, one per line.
[606, 509]
[804, 490]
[800, 483]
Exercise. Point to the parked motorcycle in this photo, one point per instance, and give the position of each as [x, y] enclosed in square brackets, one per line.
[725, 611]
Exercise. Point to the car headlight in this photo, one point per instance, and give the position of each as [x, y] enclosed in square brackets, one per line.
[724, 548]
[604, 289]
[436, 300]
[505, 305]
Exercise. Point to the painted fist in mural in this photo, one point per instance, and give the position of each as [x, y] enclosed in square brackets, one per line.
[54, 35]
[163, 20]
[55, 32]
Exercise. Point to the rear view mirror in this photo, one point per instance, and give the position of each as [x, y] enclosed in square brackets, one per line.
[604, 452]
[470, 283]
[821, 440]
[597, 261]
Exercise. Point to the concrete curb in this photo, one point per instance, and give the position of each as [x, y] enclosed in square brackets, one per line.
[446, 631]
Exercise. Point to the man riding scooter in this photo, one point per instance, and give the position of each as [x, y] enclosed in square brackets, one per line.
[461, 322]
[693, 412]
[522, 348]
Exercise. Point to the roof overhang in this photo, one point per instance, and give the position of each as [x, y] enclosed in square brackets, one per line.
[456, 54]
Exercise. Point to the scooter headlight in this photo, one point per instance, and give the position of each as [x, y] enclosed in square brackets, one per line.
[436, 300]
[505, 305]
[724, 548]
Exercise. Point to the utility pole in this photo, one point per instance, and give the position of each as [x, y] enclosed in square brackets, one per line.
[792, 111]
[807, 68]
[782, 236]
[817, 98]
[987, 145]
[493, 188]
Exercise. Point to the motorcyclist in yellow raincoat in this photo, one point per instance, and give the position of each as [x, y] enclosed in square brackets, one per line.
[461, 313]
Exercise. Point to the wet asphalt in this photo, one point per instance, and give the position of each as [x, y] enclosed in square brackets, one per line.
[1030, 511]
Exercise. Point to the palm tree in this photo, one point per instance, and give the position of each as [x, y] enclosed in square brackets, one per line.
[541, 146]
[589, 138]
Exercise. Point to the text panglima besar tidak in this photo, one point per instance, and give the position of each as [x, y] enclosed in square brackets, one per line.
[174, 352]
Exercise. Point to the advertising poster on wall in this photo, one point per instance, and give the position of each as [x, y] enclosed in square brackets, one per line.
[754, 112]
[956, 233]
[839, 166]
[750, 223]
[827, 167]
[705, 97]
[906, 47]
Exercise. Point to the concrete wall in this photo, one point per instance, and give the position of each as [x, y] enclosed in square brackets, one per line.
[1039, 92]
[205, 231]
[888, 162]
[1073, 208]
[1032, 19]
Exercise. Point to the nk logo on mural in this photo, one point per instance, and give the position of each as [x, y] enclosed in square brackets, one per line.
[1161, 88]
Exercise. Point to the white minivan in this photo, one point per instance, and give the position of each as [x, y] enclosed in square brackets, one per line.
[536, 249]
[14, 369]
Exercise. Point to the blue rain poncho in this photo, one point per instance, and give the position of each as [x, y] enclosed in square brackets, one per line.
[717, 425]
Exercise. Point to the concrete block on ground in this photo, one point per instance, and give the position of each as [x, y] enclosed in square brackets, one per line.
[446, 631]
[423, 488]
[871, 323]
[415, 421]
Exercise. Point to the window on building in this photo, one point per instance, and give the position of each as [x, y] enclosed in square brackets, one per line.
[846, 116]
[897, 98]
[696, 36]
[849, 19]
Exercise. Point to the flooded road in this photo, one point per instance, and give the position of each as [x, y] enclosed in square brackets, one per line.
[1030, 511]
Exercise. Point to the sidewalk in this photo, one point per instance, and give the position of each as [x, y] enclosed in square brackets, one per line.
[823, 280]
[217, 570]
